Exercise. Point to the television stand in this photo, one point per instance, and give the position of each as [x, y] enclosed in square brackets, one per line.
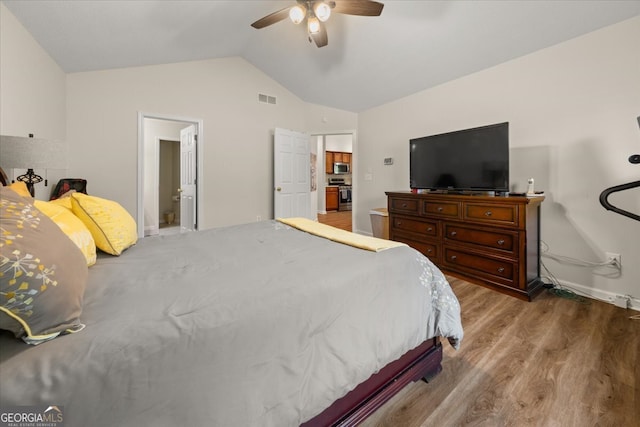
[487, 240]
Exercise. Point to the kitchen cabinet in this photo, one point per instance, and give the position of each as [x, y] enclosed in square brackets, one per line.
[492, 241]
[329, 162]
[331, 198]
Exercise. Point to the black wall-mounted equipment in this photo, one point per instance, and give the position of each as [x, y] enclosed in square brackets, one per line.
[635, 159]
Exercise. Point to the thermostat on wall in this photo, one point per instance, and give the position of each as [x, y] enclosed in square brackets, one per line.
[388, 160]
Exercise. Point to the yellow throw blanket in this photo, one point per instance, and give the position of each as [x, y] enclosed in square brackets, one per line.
[340, 236]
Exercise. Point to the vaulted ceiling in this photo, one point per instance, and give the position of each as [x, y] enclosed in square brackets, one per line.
[412, 46]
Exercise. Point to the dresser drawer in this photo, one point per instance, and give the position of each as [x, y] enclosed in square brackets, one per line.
[491, 213]
[430, 249]
[492, 268]
[424, 228]
[441, 209]
[408, 206]
[506, 241]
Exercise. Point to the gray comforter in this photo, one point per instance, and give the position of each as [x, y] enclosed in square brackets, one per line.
[252, 325]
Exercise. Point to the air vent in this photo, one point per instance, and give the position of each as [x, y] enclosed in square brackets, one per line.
[266, 99]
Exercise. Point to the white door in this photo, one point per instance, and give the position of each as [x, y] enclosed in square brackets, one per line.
[188, 141]
[291, 174]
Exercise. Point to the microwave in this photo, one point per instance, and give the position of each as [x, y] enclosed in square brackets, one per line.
[339, 168]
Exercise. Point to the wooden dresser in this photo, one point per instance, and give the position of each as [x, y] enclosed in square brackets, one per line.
[492, 241]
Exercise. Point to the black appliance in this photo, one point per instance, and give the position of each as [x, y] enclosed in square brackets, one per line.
[344, 193]
[475, 159]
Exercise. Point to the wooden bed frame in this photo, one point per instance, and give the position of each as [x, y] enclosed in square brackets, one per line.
[423, 362]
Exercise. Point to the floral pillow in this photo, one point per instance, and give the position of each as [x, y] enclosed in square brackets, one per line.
[43, 274]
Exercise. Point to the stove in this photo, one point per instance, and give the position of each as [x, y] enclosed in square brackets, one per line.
[344, 193]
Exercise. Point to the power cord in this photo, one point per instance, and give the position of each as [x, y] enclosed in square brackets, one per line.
[544, 248]
[561, 291]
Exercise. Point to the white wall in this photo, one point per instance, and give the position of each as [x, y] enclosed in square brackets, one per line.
[32, 85]
[322, 120]
[572, 110]
[237, 137]
[342, 143]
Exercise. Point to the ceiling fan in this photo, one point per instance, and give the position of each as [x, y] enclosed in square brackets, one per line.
[316, 12]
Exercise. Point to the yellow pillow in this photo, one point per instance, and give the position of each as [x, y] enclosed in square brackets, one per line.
[20, 188]
[72, 227]
[111, 226]
[63, 201]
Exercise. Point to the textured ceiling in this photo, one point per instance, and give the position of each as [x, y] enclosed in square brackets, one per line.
[369, 61]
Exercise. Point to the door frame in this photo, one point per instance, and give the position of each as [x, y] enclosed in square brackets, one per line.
[322, 163]
[141, 160]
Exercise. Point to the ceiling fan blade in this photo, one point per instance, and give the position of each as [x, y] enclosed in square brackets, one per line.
[272, 18]
[320, 38]
[358, 7]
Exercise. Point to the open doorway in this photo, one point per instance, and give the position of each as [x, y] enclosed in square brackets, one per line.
[168, 185]
[169, 168]
[335, 199]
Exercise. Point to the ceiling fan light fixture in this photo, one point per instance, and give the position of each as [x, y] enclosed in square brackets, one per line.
[297, 14]
[313, 24]
[322, 11]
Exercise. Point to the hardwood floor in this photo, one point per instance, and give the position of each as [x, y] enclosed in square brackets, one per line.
[338, 219]
[551, 362]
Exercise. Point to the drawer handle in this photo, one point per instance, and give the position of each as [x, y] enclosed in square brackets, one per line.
[404, 205]
[501, 270]
[501, 242]
[453, 257]
[453, 233]
[430, 229]
[429, 250]
[399, 223]
[440, 208]
[488, 213]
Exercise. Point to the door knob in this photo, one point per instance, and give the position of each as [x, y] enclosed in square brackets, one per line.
[179, 190]
[278, 189]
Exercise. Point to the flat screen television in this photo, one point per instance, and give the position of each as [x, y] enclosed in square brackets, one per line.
[466, 160]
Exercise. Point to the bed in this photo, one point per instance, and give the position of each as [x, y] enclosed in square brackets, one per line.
[259, 324]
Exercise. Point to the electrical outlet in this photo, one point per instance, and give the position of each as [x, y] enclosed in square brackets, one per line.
[614, 259]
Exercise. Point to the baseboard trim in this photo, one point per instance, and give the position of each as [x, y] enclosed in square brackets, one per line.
[598, 294]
